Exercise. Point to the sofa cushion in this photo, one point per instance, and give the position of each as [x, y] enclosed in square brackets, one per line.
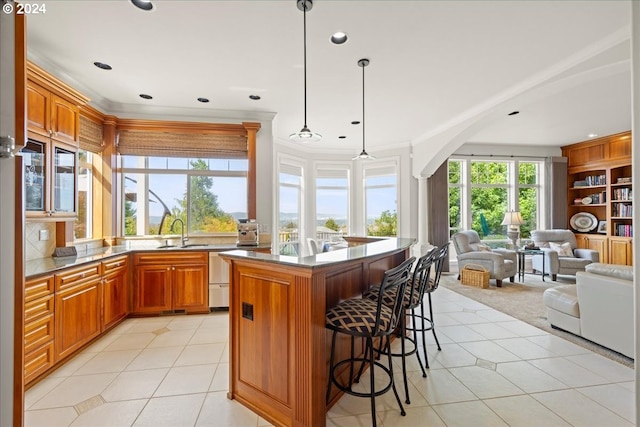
[563, 299]
[564, 249]
[624, 272]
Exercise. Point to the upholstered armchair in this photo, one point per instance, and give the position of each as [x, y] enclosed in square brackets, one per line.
[561, 254]
[501, 263]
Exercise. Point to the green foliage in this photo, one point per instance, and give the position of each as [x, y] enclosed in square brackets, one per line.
[331, 224]
[129, 219]
[291, 225]
[385, 225]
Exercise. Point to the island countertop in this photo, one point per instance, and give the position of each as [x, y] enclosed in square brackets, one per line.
[379, 247]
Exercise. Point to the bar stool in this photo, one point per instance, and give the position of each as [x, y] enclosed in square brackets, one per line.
[414, 292]
[427, 323]
[369, 319]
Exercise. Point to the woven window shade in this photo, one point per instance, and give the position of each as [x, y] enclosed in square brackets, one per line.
[177, 144]
[91, 135]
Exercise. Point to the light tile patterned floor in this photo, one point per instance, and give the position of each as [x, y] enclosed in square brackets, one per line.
[493, 370]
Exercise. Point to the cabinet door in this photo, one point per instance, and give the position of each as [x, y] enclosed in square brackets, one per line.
[64, 180]
[152, 291]
[77, 316]
[64, 120]
[34, 156]
[38, 109]
[114, 298]
[191, 288]
[620, 252]
[594, 242]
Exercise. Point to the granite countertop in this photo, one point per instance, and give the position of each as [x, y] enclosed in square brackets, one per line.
[380, 247]
[49, 265]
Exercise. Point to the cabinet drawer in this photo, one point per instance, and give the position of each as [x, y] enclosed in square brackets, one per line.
[176, 257]
[37, 288]
[38, 332]
[37, 308]
[117, 263]
[77, 275]
[38, 361]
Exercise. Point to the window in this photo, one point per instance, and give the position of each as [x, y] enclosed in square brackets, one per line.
[482, 190]
[332, 203]
[380, 191]
[290, 208]
[209, 195]
[83, 225]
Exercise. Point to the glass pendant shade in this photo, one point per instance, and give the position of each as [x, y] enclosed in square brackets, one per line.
[305, 135]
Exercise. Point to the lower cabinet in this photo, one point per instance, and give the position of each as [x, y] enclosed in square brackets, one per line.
[39, 346]
[115, 291]
[170, 282]
[78, 306]
[620, 251]
[595, 242]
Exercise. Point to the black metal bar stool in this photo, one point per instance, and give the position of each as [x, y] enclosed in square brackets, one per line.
[427, 323]
[414, 292]
[369, 319]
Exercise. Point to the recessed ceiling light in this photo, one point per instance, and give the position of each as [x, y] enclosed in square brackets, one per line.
[339, 38]
[142, 4]
[513, 113]
[145, 96]
[355, 122]
[204, 100]
[102, 65]
[592, 135]
[254, 97]
[342, 137]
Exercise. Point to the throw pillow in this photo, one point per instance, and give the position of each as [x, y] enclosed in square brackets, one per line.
[482, 247]
[563, 249]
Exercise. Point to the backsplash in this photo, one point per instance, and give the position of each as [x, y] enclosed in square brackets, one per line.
[36, 248]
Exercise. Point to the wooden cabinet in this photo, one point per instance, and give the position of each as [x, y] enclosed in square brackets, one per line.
[599, 184]
[50, 155]
[171, 282]
[115, 291]
[51, 115]
[594, 242]
[620, 251]
[77, 308]
[39, 353]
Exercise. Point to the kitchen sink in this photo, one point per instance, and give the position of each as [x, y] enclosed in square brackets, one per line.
[166, 246]
[196, 245]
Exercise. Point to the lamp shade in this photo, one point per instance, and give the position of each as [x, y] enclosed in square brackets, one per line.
[512, 218]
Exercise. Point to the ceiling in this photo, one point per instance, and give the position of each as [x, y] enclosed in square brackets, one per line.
[564, 65]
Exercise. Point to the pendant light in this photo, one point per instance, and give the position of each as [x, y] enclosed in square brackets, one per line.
[305, 135]
[363, 155]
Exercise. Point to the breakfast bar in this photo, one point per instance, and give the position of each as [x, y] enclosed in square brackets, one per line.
[279, 347]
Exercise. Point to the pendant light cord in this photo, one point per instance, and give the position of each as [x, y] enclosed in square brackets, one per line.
[363, 108]
[304, 26]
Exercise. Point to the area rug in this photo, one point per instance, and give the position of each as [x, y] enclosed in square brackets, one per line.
[524, 302]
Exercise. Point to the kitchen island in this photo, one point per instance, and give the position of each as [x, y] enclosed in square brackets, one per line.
[279, 346]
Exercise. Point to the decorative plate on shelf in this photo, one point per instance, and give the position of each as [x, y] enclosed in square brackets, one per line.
[587, 201]
[583, 222]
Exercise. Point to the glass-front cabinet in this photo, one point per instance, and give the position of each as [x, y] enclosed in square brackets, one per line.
[50, 179]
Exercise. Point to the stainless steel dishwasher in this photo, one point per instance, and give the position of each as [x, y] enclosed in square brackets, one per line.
[218, 281]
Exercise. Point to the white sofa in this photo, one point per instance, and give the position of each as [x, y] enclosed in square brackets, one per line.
[599, 307]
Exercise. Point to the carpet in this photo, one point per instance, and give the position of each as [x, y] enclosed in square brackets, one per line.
[524, 302]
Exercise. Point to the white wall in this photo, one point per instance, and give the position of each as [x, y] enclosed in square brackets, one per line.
[7, 219]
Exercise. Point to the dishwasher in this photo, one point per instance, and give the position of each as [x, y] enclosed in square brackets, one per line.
[218, 281]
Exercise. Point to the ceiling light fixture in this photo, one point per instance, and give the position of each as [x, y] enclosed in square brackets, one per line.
[363, 155]
[355, 122]
[145, 96]
[513, 113]
[339, 38]
[305, 135]
[142, 4]
[203, 100]
[254, 97]
[102, 65]
[592, 135]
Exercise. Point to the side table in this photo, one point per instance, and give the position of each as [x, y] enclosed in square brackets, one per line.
[521, 254]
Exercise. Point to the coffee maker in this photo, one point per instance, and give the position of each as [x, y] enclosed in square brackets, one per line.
[247, 232]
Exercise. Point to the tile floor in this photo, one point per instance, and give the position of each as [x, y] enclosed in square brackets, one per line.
[493, 370]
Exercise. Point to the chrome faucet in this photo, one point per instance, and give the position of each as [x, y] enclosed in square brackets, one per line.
[182, 237]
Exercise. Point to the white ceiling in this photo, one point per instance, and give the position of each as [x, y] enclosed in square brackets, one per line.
[565, 65]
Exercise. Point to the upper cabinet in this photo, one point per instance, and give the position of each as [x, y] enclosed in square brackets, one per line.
[600, 187]
[50, 154]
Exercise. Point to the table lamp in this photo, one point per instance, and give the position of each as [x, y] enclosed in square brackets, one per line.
[513, 220]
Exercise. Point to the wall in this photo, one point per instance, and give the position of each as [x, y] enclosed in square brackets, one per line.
[635, 159]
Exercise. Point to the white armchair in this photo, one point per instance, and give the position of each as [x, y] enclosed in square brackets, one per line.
[501, 263]
[559, 259]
